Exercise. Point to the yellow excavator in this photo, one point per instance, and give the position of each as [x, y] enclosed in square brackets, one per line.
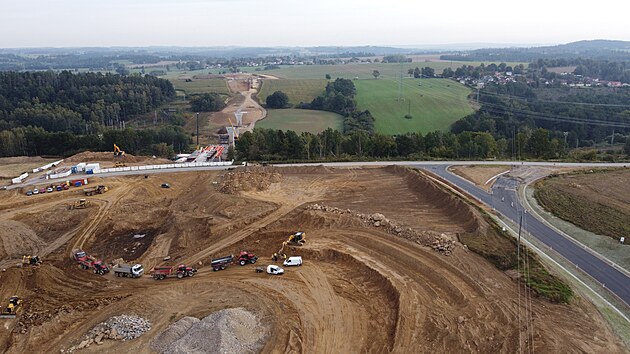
[296, 239]
[11, 310]
[118, 152]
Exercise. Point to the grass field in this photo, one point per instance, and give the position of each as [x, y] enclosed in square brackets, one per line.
[598, 202]
[301, 120]
[361, 70]
[201, 86]
[297, 90]
[434, 104]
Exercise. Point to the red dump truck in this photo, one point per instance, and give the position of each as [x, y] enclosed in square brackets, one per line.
[181, 271]
[85, 261]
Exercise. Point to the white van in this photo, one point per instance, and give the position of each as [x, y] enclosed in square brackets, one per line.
[293, 261]
[274, 269]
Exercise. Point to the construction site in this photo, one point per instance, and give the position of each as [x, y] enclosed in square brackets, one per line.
[194, 267]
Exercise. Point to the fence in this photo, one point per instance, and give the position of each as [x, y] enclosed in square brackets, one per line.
[166, 166]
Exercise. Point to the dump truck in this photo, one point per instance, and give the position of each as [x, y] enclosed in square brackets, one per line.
[221, 263]
[85, 261]
[12, 308]
[181, 271]
[128, 270]
[95, 190]
[31, 260]
[246, 257]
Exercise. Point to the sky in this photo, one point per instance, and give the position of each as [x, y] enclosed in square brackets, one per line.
[203, 23]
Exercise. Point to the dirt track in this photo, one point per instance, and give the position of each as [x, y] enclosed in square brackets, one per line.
[360, 290]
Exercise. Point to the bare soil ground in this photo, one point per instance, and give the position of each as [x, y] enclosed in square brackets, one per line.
[360, 289]
[11, 167]
[479, 175]
[597, 201]
[242, 100]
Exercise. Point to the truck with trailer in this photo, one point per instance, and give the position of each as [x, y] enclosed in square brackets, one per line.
[85, 261]
[95, 190]
[221, 263]
[181, 271]
[128, 270]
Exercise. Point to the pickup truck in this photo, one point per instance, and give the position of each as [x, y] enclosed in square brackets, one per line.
[128, 270]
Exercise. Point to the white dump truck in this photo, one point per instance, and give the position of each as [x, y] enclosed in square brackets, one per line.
[127, 270]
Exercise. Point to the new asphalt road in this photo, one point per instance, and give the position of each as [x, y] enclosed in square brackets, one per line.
[504, 199]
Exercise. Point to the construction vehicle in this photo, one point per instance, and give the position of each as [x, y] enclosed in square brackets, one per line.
[127, 270]
[95, 190]
[181, 271]
[297, 239]
[80, 204]
[31, 260]
[280, 255]
[85, 261]
[221, 263]
[12, 308]
[120, 164]
[293, 261]
[118, 152]
[246, 257]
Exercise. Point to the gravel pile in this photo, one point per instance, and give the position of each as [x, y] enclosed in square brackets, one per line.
[123, 327]
[440, 242]
[227, 331]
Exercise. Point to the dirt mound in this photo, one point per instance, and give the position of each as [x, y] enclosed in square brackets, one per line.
[88, 156]
[233, 330]
[247, 179]
[17, 239]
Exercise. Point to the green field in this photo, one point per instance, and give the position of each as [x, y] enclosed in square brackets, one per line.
[301, 120]
[360, 70]
[434, 104]
[201, 86]
[297, 90]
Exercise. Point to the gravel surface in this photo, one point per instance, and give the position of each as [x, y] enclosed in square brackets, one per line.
[227, 331]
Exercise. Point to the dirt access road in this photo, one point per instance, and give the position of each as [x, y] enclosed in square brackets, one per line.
[241, 101]
[362, 288]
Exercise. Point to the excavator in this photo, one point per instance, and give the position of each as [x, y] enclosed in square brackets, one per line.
[119, 154]
[296, 239]
[31, 260]
[10, 311]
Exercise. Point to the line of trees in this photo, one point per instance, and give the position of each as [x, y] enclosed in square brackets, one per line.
[277, 145]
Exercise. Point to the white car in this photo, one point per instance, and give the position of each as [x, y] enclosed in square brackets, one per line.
[35, 191]
[274, 269]
[293, 261]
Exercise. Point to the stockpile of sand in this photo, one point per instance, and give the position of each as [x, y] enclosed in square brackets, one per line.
[233, 330]
[247, 179]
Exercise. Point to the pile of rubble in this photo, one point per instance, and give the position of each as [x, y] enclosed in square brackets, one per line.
[123, 327]
[440, 242]
[233, 330]
[246, 179]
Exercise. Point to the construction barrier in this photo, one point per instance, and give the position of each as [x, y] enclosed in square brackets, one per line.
[60, 175]
[161, 167]
[45, 167]
[19, 179]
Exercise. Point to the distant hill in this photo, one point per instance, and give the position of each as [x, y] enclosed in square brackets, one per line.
[591, 49]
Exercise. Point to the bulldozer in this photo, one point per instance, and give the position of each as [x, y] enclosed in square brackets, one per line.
[11, 310]
[31, 260]
[120, 164]
[80, 204]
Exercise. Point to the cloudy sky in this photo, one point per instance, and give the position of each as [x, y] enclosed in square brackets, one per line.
[61, 23]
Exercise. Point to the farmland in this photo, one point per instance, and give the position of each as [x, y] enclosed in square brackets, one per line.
[301, 120]
[297, 90]
[201, 86]
[434, 104]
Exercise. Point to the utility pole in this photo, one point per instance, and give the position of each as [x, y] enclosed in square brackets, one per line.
[612, 138]
[400, 82]
[197, 129]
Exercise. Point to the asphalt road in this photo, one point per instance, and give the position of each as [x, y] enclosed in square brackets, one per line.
[504, 199]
